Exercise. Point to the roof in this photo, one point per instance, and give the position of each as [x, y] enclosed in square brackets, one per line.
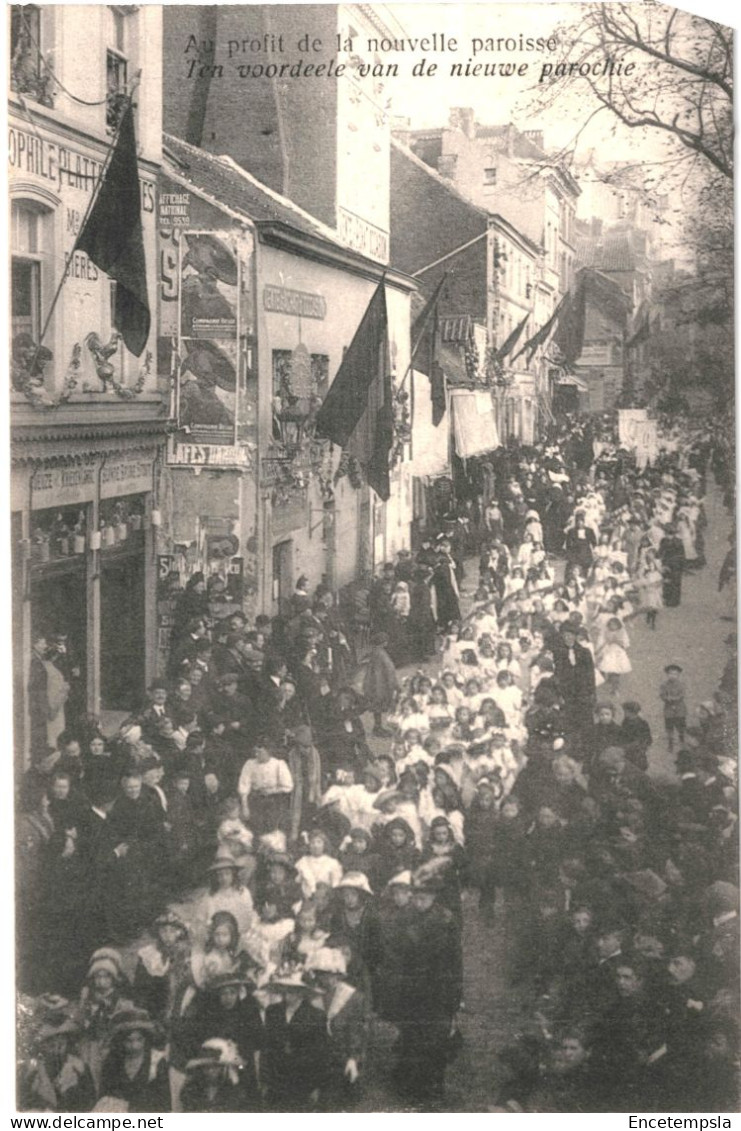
[612, 251]
[232, 186]
[423, 167]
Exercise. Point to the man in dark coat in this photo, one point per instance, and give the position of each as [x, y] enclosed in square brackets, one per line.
[445, 584]
[580, 543]
[296, 1057]
[134, 846]
[671, 553]
[574, 674]
[429, 996]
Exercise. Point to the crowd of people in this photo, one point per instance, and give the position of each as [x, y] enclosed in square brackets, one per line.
[221, 904]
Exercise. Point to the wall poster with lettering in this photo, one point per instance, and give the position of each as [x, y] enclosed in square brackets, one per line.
[208, 355]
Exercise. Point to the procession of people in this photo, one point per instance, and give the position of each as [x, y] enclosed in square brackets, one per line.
[265, 875]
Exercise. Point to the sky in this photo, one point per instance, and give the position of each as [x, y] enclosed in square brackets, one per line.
[426, 101]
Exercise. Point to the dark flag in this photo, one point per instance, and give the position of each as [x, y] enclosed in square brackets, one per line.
[357, 412]
[511, 341]
[112, 238]
[425, 342]
[569, 334]
[546, 330]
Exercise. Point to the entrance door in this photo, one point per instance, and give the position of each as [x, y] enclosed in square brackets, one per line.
[122, 641]
[282, 575]
[59, 604]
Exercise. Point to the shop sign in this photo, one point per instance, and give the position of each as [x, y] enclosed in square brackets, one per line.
[207, 455]
[303, 304]
[61, 166]
[359, 235]
[125, 477]
[63, 486]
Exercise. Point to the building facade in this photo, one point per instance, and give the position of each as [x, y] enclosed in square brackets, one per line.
[88, 419]
[251, 494]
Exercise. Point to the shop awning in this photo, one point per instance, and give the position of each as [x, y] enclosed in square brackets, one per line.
[474, 423]
[570, 380]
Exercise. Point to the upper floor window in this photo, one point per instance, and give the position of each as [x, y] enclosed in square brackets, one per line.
[490, 176]
[117, 66]
[28, 75]
[30, 267]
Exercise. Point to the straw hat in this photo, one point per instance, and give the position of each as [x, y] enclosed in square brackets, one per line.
[328, 960]
[220, 1053]
[357, 880]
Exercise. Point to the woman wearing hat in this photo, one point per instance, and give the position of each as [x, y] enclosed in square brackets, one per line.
[347, 1028]
[295, 1062]
[134, 1070]
[212, 1083]
[163, 968]
[354, 926]
[226, 893]
[56, 1079]
[105, 994]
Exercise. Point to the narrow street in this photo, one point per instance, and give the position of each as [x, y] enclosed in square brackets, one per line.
[494, 1011]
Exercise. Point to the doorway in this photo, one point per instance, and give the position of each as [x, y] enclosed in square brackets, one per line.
[282, 575]
[122, 636]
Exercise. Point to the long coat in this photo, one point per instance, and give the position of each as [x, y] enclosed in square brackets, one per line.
[296, 1055]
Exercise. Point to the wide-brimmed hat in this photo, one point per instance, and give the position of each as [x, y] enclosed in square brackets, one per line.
[132, 1020]
[328, 960]
[220, 1052]
[222, 861]
[221, 981]
[289, 980]
[673, 668]
[226, 679]
[401, 879]
[170, 919]
[357, 880]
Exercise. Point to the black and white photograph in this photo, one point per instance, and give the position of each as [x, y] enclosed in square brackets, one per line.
[372, 615]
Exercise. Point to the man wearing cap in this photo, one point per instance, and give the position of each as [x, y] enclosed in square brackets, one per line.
[430, 994]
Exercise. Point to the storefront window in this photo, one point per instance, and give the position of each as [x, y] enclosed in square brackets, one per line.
[58, 533]
[122, 521]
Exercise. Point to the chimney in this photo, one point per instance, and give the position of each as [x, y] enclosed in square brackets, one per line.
[401, 129]
[462, 118]
[535, 136]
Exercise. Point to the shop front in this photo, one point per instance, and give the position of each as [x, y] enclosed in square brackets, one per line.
[82, 526]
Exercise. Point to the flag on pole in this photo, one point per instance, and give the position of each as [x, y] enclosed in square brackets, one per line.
[425, 342]
[112, 238]
[510, 342]
[546, 331]
[357, 412]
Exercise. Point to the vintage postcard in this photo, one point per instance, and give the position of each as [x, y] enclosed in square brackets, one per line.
[372, 534]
